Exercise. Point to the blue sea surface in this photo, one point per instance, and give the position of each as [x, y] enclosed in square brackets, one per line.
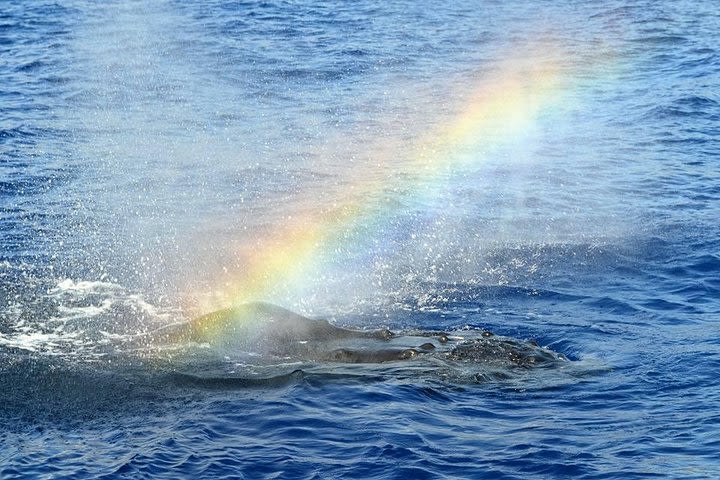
[149, 151]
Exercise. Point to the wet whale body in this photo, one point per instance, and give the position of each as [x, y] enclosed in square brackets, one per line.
[250, 346]
[264, 329]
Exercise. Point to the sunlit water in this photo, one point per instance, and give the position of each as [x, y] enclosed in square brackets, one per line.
[152, 152]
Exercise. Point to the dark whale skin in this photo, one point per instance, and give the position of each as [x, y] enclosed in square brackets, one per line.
[273, 330]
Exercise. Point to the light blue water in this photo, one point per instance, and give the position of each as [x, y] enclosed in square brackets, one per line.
[144, 144]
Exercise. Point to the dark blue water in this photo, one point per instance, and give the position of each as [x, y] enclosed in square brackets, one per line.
[149, 149]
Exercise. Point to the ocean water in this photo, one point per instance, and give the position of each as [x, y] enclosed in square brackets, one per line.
[542, 170]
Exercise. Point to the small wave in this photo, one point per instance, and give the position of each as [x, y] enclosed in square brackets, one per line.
[705, 264]
[32, 66]
[660, 39]
[687, 106]
[612, 305]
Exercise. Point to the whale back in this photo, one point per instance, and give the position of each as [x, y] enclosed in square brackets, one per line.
[269, 330]
[260, 325]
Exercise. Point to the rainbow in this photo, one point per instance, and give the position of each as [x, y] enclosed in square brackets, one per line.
[500, 107]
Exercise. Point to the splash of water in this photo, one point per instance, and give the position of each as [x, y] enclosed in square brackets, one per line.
[503, 107]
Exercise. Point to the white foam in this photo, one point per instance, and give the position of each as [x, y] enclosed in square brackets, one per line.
[37, 341]
[86, 311]
[69, 285]
[151, 310]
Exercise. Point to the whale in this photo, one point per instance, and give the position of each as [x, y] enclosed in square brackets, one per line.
[264, 329]
[259, 346]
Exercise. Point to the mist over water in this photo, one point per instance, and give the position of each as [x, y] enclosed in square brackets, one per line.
[204, 136]
[159, 160]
